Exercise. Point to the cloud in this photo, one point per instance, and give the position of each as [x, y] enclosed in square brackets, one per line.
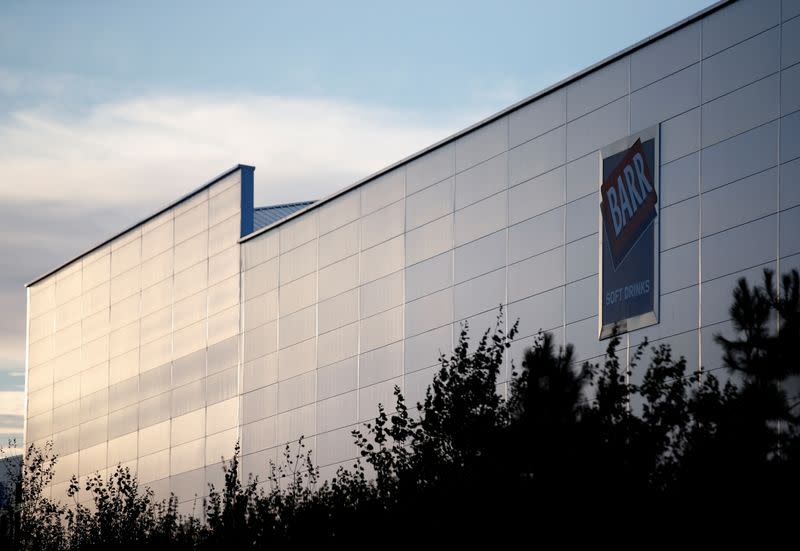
[36, 236]
[71, 178]
[12, 407]
[27, 84]
[9, 422]
[11, 402]
[161, 146]
[10, 83]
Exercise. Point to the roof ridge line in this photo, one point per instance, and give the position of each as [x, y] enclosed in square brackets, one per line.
[279, 205]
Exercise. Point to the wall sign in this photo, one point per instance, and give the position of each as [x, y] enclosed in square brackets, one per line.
[629, 233]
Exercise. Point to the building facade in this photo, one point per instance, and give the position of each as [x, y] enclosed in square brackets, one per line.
[164, 346]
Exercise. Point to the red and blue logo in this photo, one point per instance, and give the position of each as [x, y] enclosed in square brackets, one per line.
[628, 202]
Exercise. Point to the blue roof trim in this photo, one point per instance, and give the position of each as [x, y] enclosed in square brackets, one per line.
[247, 201]
[264, 216]
[147, 219]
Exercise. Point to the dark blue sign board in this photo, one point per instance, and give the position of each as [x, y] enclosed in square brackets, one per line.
[629, 233]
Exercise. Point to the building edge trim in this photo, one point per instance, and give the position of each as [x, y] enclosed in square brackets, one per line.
[246, 168]
[513, 107]
[449, 139]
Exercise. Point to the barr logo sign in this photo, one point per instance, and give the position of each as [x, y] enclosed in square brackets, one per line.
[629, 233]
[628, 202]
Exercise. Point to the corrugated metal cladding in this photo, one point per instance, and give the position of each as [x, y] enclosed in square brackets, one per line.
[163, 348]
[264, 216]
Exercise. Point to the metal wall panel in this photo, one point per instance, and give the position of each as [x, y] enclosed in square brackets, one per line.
[424, 350]
[138, 344]
[383, 191]
[538, 273]
[746, 62]
[380, 364]
[750, 152]
[790, 43]
[680, 136]
[429, 312]
[741, 247]
[382, 224]
[481, 219]
[538, 117]
[429, 204]
[583, 175]
[537, 156]
[665, 57]
[581, 299]
[429, 240]
[789, 230]
[339, 212]
[484, 143]
[680, 179]
[755, 104]
[737, 22]
[536, 235]
[597, 89]
[428, 276]
[481, 181]
[337, 378]
[537, 195]
[790, 137]
[298, 231]
[581, 258]
[667, 98]
[544, 311]
[790, 90]
[740, 202]
[679, 267]
[582, 217]
[429, 169]
[478, 295]
[598, 128]
[479, 257]
[339, 244]
[680, 223]
[790, 184]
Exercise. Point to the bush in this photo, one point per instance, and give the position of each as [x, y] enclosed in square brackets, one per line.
[559, 447]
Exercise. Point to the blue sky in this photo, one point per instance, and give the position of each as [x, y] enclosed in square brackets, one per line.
[109, 109]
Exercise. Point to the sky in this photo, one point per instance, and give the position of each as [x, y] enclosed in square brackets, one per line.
[110, 110]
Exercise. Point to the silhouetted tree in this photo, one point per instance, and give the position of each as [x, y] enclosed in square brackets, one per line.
[744, 440]
[561, 448]
[33, 520]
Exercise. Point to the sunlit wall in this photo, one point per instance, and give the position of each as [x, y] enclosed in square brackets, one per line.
[142, 353]
[134, 349]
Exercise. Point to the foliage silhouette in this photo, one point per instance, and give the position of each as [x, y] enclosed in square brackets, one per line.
[560, 448]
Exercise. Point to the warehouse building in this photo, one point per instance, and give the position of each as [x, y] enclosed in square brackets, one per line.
[632, 195]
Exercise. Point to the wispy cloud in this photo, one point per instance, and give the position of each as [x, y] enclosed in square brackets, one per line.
[10, 422]
[29, 84]
[70, 178]
[158, 146]
[12, 405]
[10, 83]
